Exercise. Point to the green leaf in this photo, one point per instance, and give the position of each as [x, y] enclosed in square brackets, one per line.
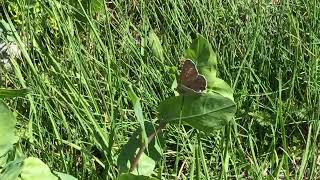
[6, 30]
[12, 170]
[201, 52]
[34, 169]
[155, 45]
[97, 5]
[145, 166]
[4, 26]
[30, 169]
[129, 176]
[221, 87]
[7, 127]
[146, 163]
[206, 112]
[3, 160]
[64, 176]
[10, 93]
[138, 112]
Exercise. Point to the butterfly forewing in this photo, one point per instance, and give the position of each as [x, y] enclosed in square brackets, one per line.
[188, 72]
[190, 79]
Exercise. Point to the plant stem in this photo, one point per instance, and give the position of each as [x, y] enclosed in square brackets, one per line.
[135, 160]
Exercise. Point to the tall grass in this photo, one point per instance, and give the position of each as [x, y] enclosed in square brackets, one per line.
[79, 62]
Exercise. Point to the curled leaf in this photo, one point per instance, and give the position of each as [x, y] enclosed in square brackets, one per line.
[155, 45]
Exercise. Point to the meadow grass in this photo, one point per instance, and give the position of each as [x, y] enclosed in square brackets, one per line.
[79, 64]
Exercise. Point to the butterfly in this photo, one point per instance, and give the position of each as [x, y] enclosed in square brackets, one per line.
[190, 81]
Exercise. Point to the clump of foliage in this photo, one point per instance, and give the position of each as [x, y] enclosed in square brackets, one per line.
[13, 163]
[78, 57]
[205, 111]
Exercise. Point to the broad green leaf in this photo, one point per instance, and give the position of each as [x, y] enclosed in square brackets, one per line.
[64, 176]
[138, 112]
[206, 112]
[34, 169]
[146, 163]
[201, 52]
[155, 45]
[30, 169]
[10, 93]
[7, 126]
[128, 176]
[12, 170]
[222, 88]
[145, 166]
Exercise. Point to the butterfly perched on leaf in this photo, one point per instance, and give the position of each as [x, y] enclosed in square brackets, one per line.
[190, 81]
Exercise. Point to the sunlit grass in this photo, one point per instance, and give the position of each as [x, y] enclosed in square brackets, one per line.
[79, 63]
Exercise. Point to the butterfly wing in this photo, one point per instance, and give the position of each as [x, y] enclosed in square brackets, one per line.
[199, 84]
[189, 72]
[190, 79]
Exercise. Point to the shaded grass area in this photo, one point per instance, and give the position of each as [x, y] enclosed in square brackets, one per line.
[79, 64]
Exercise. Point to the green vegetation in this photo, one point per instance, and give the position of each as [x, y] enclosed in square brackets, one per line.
[13, 163]
[80, 60]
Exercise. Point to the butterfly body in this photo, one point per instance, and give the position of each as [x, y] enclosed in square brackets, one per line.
[190, 81]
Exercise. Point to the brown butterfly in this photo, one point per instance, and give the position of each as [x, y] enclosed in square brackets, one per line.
[190, 81]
